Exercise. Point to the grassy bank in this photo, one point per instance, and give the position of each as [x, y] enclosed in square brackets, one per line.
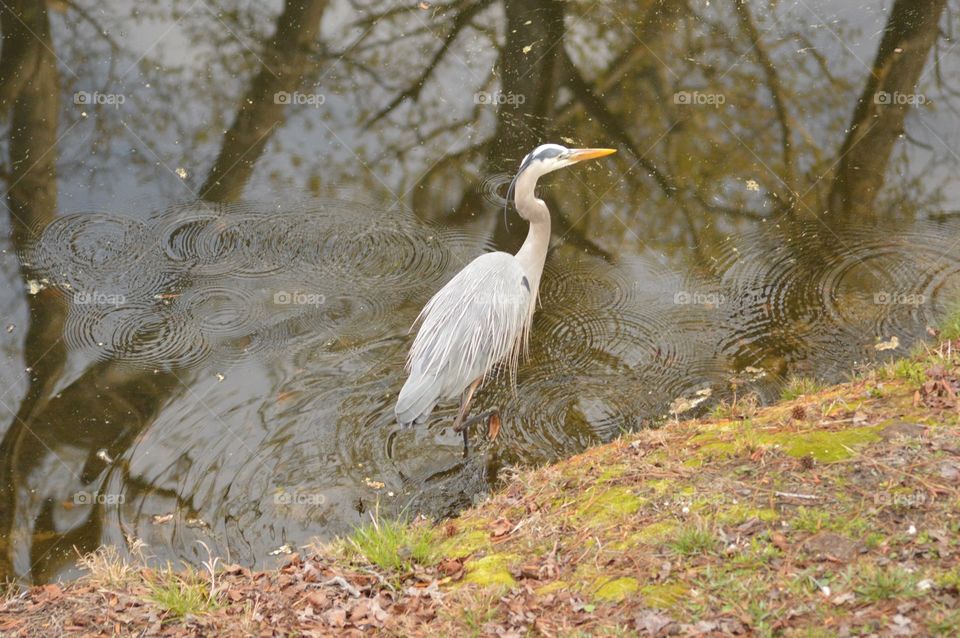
[836, 512]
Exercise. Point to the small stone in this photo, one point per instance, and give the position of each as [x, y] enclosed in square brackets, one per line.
[843, 599]
[949, 471]
[827, 545]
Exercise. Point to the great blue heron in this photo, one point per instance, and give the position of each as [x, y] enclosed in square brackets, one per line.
[482, 317]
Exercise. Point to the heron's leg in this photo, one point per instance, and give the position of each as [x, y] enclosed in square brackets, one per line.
[458, 424]
[492, 413]
[465, 400]
[491, 416]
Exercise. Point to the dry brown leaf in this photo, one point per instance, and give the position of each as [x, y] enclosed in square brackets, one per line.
[493, 427]
[500, 527]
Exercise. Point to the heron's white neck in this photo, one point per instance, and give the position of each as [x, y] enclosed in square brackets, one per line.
[533, 253]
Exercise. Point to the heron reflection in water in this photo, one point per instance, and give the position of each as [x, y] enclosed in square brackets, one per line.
[481, 318]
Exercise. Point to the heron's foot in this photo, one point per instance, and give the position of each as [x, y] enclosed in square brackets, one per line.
[492, 417]
[493, 414]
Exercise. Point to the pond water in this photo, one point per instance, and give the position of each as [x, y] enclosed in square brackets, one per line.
[223, 218]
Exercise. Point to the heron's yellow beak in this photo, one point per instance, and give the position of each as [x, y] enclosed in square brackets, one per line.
[580, 154]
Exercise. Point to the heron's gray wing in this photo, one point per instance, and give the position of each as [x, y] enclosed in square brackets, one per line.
[477, 320]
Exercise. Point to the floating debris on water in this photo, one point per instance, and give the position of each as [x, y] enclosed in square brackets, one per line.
[682, 404]
[893, 344]
[377, 485]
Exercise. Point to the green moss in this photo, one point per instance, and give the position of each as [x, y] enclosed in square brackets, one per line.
[948, 579]
[549, 588]
[610, 504]
[737, 514]
[491, 571]
[717, 449]
[611, 473]
[663, 596]
[742, 442]
[465, 544]
[656, 533]
[815, 520]
[823, 445]
[615, 590]
[660, 486]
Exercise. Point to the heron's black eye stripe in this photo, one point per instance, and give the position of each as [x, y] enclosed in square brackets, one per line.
[525, 283]
[546, 153]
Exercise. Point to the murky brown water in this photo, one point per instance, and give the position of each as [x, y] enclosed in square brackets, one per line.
[222, 221]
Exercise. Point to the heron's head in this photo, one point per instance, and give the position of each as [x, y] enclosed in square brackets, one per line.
[549, 157]
[540, 161]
